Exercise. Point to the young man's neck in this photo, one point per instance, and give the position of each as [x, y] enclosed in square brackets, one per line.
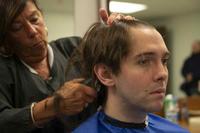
[122, 111]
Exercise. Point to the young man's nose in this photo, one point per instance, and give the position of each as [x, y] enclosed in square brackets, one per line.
[161, 72]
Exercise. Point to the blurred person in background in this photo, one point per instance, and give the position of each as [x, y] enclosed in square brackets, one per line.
[191, 71]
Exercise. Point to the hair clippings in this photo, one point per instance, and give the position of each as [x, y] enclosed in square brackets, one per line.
[97, 85]
[89, 82]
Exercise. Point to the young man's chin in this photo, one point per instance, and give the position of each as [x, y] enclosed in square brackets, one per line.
[157, 107]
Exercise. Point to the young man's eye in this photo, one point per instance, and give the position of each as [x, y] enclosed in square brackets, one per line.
[165, 61]
[144, 62]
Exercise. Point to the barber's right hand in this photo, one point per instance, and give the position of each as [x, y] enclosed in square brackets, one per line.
[74, 97]
[109, 19]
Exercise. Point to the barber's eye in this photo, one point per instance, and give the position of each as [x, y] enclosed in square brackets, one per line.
[16, 27]
[34, 20]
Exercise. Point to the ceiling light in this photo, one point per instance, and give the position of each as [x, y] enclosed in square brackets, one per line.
[125, 7]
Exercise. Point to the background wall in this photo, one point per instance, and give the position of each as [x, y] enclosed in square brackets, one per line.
[70, 17]
[183, 30]
[85, 14]
[59, 24]
[59, 16]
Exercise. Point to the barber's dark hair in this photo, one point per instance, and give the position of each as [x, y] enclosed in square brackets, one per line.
[9, 10]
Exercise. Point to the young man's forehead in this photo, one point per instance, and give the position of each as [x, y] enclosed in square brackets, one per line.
[149, 49]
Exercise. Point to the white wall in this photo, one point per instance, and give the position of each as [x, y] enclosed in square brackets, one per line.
[59, 24]
[85, 14]
[183, 29]
[62, 24]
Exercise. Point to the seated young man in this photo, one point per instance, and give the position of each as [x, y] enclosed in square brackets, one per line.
[128, 63]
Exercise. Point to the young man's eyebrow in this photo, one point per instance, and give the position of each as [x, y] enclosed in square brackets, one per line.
[145, 54]
[166, 54]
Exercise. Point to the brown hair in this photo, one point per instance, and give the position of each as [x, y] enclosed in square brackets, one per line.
[9, 10]
[105, 44]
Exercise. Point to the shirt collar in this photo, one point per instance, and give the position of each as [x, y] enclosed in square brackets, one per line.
[50, 60]
[123, 124]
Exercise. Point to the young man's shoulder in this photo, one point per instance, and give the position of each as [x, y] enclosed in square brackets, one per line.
[156, 124]
[89, 126]
[164, 125]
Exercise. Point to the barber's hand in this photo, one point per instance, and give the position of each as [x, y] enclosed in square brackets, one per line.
[75, 97]
[113, 17]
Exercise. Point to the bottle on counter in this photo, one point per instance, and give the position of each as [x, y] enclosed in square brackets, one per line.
[171, 108]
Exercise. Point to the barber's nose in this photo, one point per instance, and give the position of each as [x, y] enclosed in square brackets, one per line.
[31, 31]
[161, 72]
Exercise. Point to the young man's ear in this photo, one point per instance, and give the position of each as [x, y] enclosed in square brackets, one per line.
[104, 74]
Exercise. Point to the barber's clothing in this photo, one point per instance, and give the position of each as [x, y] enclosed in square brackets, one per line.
[101, 123]
[19, 87]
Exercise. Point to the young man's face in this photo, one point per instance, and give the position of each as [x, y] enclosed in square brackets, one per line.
[141, 83]
[27, 35]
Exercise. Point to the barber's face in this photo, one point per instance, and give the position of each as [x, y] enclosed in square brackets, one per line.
[27, 36]
[141, 83]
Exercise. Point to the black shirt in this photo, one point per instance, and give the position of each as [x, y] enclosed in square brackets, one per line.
[191, 66]
[19, 88]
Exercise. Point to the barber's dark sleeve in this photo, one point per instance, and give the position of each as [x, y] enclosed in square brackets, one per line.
[13, 120]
